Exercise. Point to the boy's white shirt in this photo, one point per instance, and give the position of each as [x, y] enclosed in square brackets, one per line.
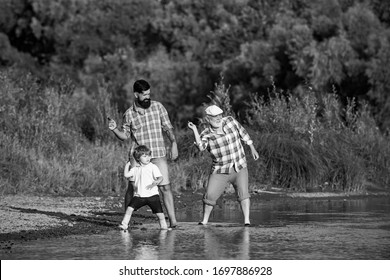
[143, 176]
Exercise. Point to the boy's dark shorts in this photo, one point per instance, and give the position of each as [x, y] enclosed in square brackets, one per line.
[153, 202]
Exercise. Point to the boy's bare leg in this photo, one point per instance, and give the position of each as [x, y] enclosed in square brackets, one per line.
[245, 207]
[127, 217]
[161, 220]
[169, 203]
[206, 213]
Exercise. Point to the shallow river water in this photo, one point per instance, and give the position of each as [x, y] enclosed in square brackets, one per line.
[284, 229]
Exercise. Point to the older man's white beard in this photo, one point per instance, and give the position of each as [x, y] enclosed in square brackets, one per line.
[216, 126]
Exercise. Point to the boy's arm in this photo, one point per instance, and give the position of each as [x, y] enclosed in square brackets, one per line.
[155, 183]
[128, 171]
[157, 176]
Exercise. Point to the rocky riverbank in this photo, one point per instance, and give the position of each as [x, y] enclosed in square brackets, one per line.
[26, 217]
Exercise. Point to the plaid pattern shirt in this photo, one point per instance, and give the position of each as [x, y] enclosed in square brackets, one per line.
[145, 127]
[226, 149]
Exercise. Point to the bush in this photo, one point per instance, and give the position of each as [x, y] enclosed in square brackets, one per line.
[289, 163]
[307, 143]
[342, 169]
[42, 150]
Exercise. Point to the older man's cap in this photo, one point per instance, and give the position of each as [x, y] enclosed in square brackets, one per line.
[213, 110]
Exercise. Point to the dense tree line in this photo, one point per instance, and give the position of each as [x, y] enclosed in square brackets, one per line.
[183, 46]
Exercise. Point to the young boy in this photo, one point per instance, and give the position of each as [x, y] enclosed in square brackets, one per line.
[146, 177]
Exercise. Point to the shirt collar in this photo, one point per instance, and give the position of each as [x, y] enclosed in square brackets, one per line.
[139, 109]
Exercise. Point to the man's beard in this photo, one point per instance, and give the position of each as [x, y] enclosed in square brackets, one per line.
[144, 103]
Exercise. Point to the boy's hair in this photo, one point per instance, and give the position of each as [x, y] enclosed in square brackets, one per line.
[140, 151]
[141, 86]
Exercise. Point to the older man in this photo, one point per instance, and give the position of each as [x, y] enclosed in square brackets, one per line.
[222, 138]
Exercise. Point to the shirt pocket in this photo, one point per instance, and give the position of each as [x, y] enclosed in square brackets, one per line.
[136, 126]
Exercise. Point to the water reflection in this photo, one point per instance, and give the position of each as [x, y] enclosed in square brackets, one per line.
[156, 244]
[219, 245]
[210, 242]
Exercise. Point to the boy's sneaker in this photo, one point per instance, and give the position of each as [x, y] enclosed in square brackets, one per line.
[122, 226]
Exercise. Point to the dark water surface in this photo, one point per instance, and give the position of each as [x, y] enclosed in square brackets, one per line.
[285, 229]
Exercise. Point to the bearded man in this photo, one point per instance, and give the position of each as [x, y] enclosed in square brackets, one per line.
[144, 123]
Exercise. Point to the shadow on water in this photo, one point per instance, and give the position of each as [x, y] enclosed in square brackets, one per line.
[284, 229]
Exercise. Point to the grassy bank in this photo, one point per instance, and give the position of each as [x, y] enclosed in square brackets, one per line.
[54, 140]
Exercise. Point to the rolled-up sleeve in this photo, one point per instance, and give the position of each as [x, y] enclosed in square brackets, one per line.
[203, 143]
[126, 127]
[165, 121]
[243, 133]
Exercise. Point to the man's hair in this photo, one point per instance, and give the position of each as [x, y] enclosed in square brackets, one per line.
[140, 86]
[140, 151]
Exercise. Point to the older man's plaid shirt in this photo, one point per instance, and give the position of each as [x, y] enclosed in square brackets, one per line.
[226, 149]
[145, 127]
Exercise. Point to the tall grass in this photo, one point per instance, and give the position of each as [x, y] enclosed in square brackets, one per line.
[54, 140]
[310, 142]
[288, 162]
[43, 150]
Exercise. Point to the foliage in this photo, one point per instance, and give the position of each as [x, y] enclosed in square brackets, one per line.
[71, 63]
[308, 146]
[29, 109]
[379, 74]
[172, 82]
[289, 164]
[42, 149]
[183, 46]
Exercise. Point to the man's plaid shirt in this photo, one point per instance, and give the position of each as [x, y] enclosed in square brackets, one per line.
[226, 149]
[145, 127]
